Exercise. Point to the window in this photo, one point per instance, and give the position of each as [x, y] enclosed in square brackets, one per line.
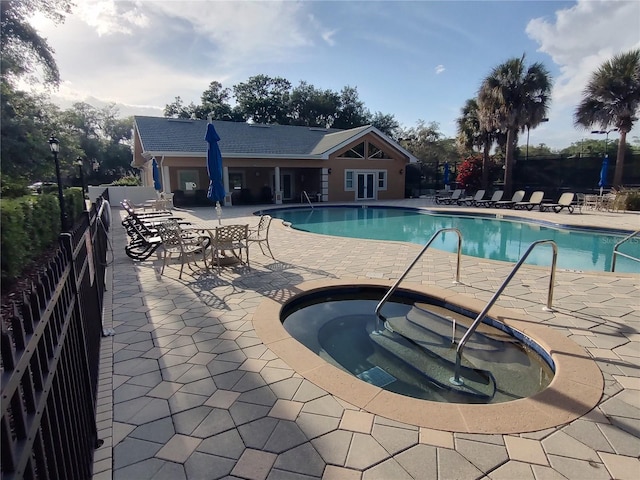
[375, 152]
[236, 180]
[355, 152]
[382, 180]
[348, 180]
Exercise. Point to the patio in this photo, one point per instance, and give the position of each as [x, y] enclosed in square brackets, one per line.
[189, 391]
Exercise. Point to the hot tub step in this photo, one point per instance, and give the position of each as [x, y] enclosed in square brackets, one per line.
[438, 370]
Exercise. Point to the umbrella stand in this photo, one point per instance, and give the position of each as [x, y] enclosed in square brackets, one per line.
[219, 212]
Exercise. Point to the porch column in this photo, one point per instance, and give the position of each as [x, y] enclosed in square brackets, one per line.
[324, 180]
[225, 183]
[166, 180]
[278, 192]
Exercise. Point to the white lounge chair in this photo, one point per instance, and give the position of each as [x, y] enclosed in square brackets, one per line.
[517, 197]
[470, 201]
[496, 197]
[534, 201]
[565, 201]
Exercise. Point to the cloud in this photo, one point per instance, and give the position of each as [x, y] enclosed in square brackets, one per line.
[439, 69]
[110, 17]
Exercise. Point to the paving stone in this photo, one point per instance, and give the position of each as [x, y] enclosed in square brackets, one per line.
[589, 434]
[217, 421]
[254, 465]
[255, 434]
[286, 409]
[394, 439]
[572, 468]
[621, 467]
[158, 431]
[484, 456]
[144, 470]
[316, 425]
[246, 412]
[222, 399]
[277, 474]
[261, 396]
[334, 446]
[364, 452]
[386, 470]
[564, 445]
[302, 459]
[227, 444]
[141, 410]
[201, 466]
[178, 448]
[331, 472]
[325, 405]
[512, 470]
[181, 401]
[525, 450]
[419, 461]
[437, 438]
[286, 435]
[206, 387]
[132, 450]
[452, 465]
[306, 391]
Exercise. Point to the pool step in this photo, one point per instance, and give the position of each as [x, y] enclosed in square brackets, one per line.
[434, 368]
[433, 332]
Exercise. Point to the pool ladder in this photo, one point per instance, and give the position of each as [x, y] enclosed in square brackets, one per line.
[456, 380]
[616, 252]
[304, 195]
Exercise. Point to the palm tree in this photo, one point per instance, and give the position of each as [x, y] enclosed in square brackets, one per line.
[514, 97]
[471, 134]
[612, 97]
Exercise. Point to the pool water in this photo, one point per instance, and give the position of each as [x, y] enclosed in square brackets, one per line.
[341, 328]
[483, 236]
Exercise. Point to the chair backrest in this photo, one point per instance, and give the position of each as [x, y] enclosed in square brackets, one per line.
[518, 196]
[497, 196]
[456, 194]
[169, 231]
[479, 194]
[262, 230]
[536, 197]
[566, 198]
[229, 234]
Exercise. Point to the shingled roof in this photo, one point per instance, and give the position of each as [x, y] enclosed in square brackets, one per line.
[166, 136]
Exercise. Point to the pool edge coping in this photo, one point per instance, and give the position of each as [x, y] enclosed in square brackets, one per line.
[576, 388]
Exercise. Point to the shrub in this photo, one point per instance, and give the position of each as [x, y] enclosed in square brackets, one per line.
[128, 181]
[633, 201]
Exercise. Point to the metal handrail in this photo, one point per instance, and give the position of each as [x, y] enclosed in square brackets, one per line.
[456, 378]
[616, 252]
[415, 260]
[304, 194]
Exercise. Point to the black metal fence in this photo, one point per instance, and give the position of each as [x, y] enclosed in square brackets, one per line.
[50, 351]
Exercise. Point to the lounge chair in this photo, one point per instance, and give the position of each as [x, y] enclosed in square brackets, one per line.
[496, 197]
[517, 197]
[449, 200]
[471, 201]
[534, 201]
[565, 201]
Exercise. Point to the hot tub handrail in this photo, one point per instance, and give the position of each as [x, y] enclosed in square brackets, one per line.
[616, 252]
[456, 378]
[415, 260]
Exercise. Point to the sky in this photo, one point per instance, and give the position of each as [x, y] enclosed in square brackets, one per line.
[416, 60]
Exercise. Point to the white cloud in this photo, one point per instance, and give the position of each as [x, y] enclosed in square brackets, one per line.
[579, 39]
[440, 69]
[110, 17]
[328, 35]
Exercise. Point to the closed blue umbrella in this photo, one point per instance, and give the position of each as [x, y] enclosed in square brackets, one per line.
[157, 184]
[446, 173]
[216, 191]
[603, 173]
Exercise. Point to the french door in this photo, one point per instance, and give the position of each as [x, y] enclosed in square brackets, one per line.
[365, 186]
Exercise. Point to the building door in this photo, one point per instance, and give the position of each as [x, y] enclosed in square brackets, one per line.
[286, 185]
[365, 186]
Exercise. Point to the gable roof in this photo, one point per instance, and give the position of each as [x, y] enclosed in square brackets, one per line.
[182, 137]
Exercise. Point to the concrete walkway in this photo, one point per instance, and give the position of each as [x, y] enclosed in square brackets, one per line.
[188, 391]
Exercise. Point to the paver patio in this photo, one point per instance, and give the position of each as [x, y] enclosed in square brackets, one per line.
[189, 391]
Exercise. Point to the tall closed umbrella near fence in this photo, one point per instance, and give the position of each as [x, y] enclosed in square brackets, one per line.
[157, 183]
[446, 174]
[603, 173]
[216, 191]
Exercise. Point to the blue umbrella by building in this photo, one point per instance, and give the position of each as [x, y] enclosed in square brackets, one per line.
[157, 183]
[216, 191]
[603, 173]
[446, 173]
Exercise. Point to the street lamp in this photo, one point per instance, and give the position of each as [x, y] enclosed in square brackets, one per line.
[54, 144]
[606, 138]
[80, 164]
[526, 155]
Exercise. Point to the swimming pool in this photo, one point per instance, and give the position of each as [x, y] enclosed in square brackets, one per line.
[484, 236]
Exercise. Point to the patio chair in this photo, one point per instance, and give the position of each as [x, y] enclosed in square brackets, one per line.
[516, 197]
[565, 201]
[229, 238]
[186, 243]
[471, 201]
[496, 197]
[260, 235]
[451, 199]
[534, 201]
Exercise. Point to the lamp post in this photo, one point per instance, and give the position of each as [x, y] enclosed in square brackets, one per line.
[606, 138]
[80, 164]
[54, 144]
[526, 155]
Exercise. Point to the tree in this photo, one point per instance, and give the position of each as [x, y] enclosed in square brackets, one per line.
[514, 97]
[23, 49]
[177, 109]
[473, 132]
[351, 111]
[313, 107]
[215, 102]
[264, 99]
[387, 124]
[612, 98]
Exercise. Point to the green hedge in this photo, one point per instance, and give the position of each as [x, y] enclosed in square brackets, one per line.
[30, 226]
